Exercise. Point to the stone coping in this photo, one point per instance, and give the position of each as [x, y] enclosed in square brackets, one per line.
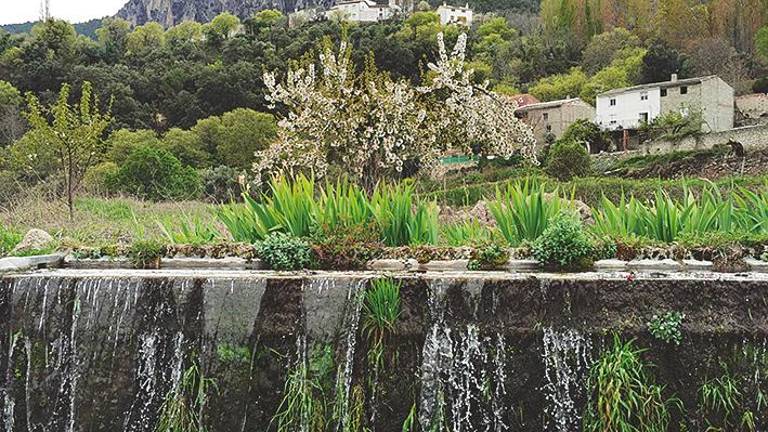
[10, 264]
[17, 264]
[457, 275]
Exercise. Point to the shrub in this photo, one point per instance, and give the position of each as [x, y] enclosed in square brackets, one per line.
[155, 174]
[221, 184]
[667, 327]
[488, 257]
[346, 248]
[466, 233]
[146, 254]
[401, 219]
[585, 131]
[283, 252]
[568, 159]
[102, 178]
[564, 244]
[760, 85]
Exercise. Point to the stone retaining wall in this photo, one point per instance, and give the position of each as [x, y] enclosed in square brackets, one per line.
[751, 138]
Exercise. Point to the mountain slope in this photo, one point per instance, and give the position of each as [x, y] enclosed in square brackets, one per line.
[172, 12]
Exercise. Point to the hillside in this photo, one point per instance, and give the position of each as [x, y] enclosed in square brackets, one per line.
[87, 28]
[172, 12]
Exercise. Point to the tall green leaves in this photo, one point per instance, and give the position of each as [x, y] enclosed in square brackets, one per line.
[297, 207]
[523, 210]
[665, 219]
[401, 219]
[623, 396]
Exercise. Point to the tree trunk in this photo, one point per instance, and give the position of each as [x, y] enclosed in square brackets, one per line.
[70, 192]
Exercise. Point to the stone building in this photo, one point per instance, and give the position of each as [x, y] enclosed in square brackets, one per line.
[455, 15]
[362, 11]
[628, 108]
[553, 118]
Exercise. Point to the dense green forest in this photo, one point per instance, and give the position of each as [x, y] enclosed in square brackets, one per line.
[197, 90]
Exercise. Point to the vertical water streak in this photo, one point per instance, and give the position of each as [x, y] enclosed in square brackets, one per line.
[498, 406]
[436, 357]
[566, 363]
[467, 377]
[9, 403]
[351, 323]
[147, 384]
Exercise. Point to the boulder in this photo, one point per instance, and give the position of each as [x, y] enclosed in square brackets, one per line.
[34, 239]
[482, 214]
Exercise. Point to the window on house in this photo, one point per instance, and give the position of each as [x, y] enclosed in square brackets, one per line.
[683, 90]
[613, 102]
[644, 96]
[613, 121]
[644, 117]
[663, 92]
[545, 116]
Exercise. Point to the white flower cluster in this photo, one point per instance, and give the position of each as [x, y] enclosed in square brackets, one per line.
[371, 126]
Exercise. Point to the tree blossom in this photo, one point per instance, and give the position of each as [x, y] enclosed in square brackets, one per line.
[372, 127]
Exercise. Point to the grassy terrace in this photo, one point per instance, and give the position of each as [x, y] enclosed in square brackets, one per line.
[336, 218]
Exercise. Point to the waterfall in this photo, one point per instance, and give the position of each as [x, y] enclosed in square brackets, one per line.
[436, 356]
[351, 323]
[462, 374]
[147, 384]
[567, 355]
[9, 403]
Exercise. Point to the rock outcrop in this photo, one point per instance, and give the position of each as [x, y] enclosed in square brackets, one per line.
[172, 12]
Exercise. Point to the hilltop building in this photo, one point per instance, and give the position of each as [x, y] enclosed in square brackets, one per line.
[550, 119]
[455, 15]
[363, 11]
[628, 108]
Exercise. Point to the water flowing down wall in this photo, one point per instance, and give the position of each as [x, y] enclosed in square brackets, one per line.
[104, 351]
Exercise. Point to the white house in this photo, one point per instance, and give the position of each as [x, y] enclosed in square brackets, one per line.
[362, 11]
[628, 108]
[455, 15]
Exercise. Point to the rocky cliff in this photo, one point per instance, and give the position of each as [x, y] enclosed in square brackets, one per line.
[172, 12]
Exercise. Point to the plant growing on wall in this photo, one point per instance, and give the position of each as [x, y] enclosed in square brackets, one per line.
[623, 396]
[381, 311]
[183, 408]
[667, 327]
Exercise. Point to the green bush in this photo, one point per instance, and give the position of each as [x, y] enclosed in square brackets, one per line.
[623, 395]
[585, 131]
[220, 184]
[101, 179]
[524, 209]
[760, 85]
[346, 247]
[146, 254]
[283, 252]
[155, 174]
[667, 327]
[488, 257]
[564, 245]
[568, 159]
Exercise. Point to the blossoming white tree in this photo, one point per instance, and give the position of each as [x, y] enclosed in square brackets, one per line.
[372, 126]
[474, 113]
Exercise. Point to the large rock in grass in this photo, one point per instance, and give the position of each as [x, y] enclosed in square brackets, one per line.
[34, 239]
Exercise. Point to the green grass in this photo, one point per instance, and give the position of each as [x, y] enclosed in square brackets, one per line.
[623, 396]
[9, 238]
[591, 190]
[183, 408]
